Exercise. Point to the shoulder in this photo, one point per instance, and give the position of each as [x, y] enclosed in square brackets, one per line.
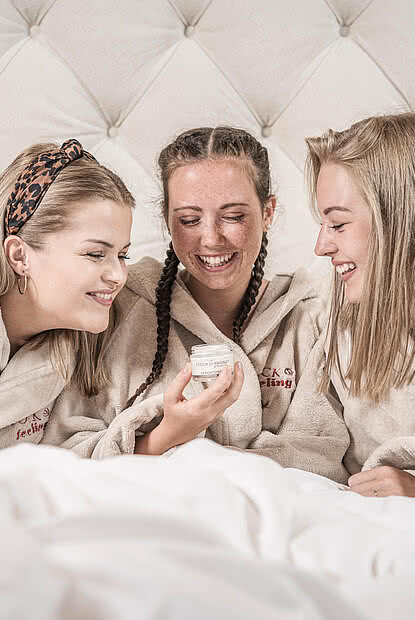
[303, 295]
[144, 275]
[141, 284]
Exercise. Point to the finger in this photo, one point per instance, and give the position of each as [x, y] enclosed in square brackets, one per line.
[215, 390]
[366, 487]
[174, 393]
[232, 394]
[374, 488]
[371, 493]
[362, 477]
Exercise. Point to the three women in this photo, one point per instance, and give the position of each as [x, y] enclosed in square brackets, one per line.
[217, 204]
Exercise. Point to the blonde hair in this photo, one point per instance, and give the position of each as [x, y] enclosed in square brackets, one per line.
[379, 155]
[80, 182]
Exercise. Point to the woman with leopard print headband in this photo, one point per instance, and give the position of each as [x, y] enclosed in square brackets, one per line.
[65, 226]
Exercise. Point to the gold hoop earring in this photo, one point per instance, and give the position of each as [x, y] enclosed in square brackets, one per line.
[19, 279]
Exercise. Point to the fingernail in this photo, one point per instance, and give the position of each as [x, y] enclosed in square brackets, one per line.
[238, 366]
[186, 368]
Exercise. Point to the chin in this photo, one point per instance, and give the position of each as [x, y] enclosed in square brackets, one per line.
[353, 298]
[217, 286]
[95, 327]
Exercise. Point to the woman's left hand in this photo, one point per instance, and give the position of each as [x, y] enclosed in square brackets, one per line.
[382, 482]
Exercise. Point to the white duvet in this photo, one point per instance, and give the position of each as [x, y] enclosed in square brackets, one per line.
[206, 533]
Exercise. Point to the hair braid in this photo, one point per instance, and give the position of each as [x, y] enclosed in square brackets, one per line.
[163, 297]
[252, 290]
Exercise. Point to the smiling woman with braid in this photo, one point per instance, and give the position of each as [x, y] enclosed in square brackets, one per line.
[218, 205]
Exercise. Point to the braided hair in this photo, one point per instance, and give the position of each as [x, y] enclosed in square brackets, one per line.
[163, 297]
[189, 147]
[252, 290]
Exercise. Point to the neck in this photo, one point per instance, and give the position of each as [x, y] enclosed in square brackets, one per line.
[221, 305]
[19, 318]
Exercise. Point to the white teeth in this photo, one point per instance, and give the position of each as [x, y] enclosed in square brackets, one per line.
[345, 267]
[102, 295]
[215, 261]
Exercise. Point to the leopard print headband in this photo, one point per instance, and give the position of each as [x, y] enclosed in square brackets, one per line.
[33, 183]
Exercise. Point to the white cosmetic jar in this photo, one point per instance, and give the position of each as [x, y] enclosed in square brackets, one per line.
[207, 360]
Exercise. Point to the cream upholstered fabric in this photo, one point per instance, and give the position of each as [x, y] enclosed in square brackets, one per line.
[125, 77]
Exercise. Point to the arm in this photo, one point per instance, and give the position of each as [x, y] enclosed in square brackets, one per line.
[29, 429]
[312, 435]
[388, 471]
[383, 481]
[27, 396]
[150, 426]
[79, 424]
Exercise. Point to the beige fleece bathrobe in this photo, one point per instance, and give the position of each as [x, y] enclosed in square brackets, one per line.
[380, 434]
[29, 386]
[278, 414]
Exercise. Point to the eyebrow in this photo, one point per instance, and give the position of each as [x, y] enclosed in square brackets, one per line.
[336, 208]
[228, 205]
[105, 243]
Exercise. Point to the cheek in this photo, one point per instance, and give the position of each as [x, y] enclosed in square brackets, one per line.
[125, 271]
[362, 244]
[249, 240]
[48, 275]
[69, 278]
[183, 238]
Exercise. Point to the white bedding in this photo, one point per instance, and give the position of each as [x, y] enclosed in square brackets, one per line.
[207, 532]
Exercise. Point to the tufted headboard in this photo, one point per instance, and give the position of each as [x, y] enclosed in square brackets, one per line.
[125, 76]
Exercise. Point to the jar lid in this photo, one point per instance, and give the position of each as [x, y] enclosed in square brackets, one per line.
[210, 349]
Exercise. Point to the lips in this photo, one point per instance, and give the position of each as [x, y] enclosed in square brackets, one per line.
[103, 298]
[344, 268]
[216, 262]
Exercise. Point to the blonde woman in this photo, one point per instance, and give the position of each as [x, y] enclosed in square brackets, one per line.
[362, 182]
[65, 231]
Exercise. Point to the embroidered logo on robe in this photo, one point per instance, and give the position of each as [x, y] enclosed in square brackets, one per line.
[32, 424]
[282, 378]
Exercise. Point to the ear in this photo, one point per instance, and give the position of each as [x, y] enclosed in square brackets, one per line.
[16, 253]
[268, 213]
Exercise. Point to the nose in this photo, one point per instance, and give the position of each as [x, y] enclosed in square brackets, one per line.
[115, 271]
[211, 235]
[325, 245]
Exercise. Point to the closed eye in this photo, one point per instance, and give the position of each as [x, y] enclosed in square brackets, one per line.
[234, 218]
[338, 226]
[95, 255]
[191, 222]
[99, 255]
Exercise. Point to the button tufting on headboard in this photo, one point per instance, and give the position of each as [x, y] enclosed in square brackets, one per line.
[139, 72]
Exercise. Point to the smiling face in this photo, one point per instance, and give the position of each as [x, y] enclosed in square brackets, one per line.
[216, 223]
[75, 277]
[346, 226]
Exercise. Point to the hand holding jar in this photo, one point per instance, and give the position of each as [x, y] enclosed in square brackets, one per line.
[185, 419]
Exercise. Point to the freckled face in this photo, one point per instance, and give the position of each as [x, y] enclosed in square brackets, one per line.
[346, 226]
[216, 222]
